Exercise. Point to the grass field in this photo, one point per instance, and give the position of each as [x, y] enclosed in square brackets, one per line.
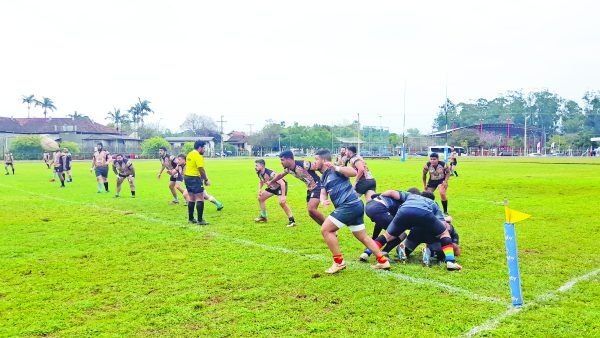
[74, 262]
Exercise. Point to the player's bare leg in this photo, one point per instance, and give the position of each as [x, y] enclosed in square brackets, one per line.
[287, 210]
[262, 198]
[214, 201]
[444, 197]
[313, 211]
[328, 231]
[173, 192]
[132, 186]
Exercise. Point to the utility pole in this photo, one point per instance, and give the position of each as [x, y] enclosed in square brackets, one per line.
[403, 149]
[446, 112]
[525, 138]
[358, 133]
[222, 135]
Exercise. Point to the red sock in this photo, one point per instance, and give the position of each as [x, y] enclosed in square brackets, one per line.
[382, 259]
[338, 258]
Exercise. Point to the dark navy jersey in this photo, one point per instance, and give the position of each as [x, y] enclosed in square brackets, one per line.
[302, 171]
[423, 203]
[339, 188]
[393, 204]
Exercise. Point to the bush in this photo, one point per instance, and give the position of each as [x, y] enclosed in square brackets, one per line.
[150, 146]
[27, 147]
[72, 146]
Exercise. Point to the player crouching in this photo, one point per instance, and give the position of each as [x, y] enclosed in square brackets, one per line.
[278, 188]
[349, 211]
[124, 171]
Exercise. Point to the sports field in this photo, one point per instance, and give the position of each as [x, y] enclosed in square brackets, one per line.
[74, 262]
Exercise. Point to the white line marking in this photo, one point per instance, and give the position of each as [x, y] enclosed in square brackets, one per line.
[494, 322]
[362, 266]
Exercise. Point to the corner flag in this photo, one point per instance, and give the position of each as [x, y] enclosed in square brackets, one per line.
[510, 238]
[514, 216]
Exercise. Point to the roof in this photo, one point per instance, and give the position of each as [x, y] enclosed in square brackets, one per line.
[110, 137]
[595, 139]
[349, 140]
[53, 125]
[237, 137]
[188, 138]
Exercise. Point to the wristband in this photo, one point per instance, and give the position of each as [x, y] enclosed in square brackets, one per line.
[336, 168]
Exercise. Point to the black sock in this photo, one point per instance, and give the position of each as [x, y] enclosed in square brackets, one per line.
[13, 170]
[455, 173]
[200, 209]
[408, 251]
[445, 205]
[376, 231]
[61, 177]
[133, 193]
[292, 219]
[190, 210]
[106, 186]
[391, 245]
[381, 240]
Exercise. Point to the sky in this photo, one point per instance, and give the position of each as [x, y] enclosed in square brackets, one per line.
[306, 61]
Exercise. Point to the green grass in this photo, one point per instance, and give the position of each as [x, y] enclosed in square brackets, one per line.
[77, 263]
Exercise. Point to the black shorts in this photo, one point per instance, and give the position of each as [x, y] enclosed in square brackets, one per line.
[277, 191]
[362, 186]
[315, 193]
[179, 178]
[193, 184]
[58, 169]
[379, 214]
[102, 171]
[434, 183]
[8, 163]
[454, 164]
[125, 176]
[68, 167]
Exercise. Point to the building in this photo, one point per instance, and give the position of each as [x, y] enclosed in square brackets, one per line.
[177, 143]
[82, 130]
[239, 140]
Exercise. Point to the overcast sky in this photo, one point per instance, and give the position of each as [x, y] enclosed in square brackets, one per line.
[305, 61]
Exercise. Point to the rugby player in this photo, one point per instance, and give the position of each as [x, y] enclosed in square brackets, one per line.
[58, 159]
[68, 159]
[381, 210]
[124, 170]
[419, 213]
[349, 211]
[364, 184]
[195, 179]
[8, 161]
[305, 172]
[341, 158]
[278, 188]
[169, 162]
[453, 161]
[439, 174]
[100, 161]
[46, 158]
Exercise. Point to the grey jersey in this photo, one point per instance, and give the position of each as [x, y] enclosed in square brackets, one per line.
[338, 187]
[423, 203]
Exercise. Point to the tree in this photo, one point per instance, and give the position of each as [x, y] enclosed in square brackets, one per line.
[199, 125]
[448, 109]
[117, 118]
[413, 132]
[47, 104]
[26, 147]
[75, 115]
[592, 112]
[150, 146]
[394, 140]
[465, 138]
[138, 111]
[72, 146]
[29, 99]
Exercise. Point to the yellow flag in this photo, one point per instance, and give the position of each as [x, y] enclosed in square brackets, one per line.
[514, 216]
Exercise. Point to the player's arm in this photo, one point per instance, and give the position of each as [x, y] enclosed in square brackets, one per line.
[132, 169]
[360, 169]
[115, 169]
[162, 168]
[203, 176]
[446, 174]
[93, 163]
[395, 194]
[425, 170]
[346, 171]
[278, 177]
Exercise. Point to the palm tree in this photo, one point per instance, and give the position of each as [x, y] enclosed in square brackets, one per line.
[76, 115]
[117, 118]
[139, 111]
[29, 99]
[46, 103]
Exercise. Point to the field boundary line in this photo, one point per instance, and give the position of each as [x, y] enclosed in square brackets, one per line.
[493, 323]
[362, 266]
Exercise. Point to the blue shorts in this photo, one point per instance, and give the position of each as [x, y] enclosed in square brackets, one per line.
[379, 214]
[350, 215]
[58, 169]
[102, 171]
[418, 219]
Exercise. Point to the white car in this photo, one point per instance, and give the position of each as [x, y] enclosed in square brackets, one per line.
[534, 155]
[272, 155]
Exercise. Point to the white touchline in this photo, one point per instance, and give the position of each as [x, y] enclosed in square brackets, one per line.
[361, 266]
[494, 322]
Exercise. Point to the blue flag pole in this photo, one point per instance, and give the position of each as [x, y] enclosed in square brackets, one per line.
[403, 159]
[514, 277]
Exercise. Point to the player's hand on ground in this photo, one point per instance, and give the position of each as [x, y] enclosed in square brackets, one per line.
[158, 176]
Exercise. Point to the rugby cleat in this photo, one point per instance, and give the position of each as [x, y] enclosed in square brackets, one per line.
[426, 260]
[382, 266]
[453, 266]
[202, 222]
[291, 224]
[174, 202]
[401, 253]
[336, 267]
[219, 206]
[364, 257]
[260, 219]
[192, 221]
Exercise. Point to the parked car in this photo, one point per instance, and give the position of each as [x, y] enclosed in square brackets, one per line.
[272, 155]
[507, 153]
[534, 155]
[299, 154]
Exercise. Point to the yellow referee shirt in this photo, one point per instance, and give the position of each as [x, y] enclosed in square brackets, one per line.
[193, 161]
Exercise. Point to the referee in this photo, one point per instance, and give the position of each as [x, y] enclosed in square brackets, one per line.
[195, 179]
